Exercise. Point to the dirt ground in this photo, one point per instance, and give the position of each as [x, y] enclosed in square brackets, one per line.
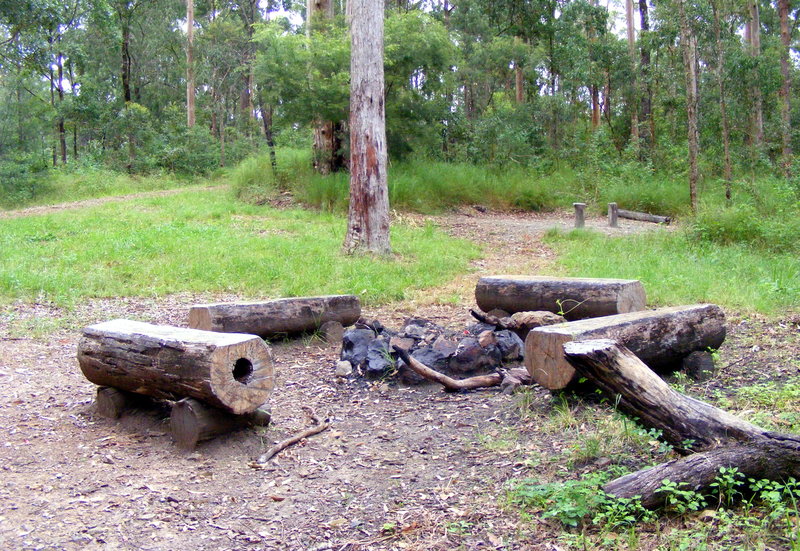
[400, 468]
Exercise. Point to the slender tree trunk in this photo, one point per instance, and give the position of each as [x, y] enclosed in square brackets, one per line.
[784, 92]
[62, 133]
[753, 36]
[689, 47]
[266, 119]
[723, 111]
[190, 91]
[647, 97]
[53, 106]
[368, 215]
[326, 136]
[126, 62]
[594, 89]
[634, 102]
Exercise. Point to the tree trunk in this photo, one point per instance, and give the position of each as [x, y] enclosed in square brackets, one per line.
[228, 371]
[753, 37]
[661, 338]
[190, 92]
[689, 48]
[688, 424]
[634, 105]
[272, 318]
[785, 90]
[643, 216]
[576, 297]
[647, 96]
[723, 111]
[266, 120]
[368, 214]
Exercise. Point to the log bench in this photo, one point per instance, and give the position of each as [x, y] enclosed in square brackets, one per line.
[660, 338]
[572, 297]
[276, 318]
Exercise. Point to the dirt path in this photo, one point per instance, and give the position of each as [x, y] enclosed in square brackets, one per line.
[401, 467]
[48, 209]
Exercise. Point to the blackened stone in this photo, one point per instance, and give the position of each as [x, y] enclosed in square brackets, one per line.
[432, 358]
[510, 345]
[355, 344]
[478, 328]
[373, 324]
[445, 345]
[487, 339]
[406, 343]
[471, 356]
[415, 331]
[379, 360]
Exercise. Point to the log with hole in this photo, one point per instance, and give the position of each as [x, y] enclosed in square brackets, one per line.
[660, 338]
[229, 371]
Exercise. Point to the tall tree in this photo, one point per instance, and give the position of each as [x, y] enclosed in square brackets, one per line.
[784, 93]
[689, 49]
[753, 38]
[368, 214]
[719, 66]
[634, 100]
[648, 122]
[190, 91]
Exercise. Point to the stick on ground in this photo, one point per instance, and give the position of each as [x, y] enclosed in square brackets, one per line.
[449, 384]
[283, 444]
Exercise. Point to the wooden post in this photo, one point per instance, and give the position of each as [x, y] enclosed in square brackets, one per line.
[112, 402]
[579, 214]
[191, 421]
[613, 221]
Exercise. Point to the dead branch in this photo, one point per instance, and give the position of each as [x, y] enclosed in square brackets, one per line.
[283, 444]
[449, 384]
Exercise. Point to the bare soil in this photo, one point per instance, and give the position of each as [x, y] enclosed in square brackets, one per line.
[400, 468]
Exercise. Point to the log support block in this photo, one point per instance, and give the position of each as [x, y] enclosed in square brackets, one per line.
[192, 421]
[613, 215]
[660, 338]
[572, 297]
[276, 318]
[580, 217]
[113, 402]
[232, 372]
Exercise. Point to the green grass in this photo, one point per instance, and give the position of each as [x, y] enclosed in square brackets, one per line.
[205, 241]
[678, 269]
[63, 185]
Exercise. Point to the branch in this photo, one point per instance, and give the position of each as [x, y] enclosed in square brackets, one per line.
[282, 445]
[450, 384]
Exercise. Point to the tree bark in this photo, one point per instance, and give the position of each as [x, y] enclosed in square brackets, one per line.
[368, 214]
[753, 37]
[227, 371]
[660, 338]
[634, 106]
[643, 216]
[280, 317]
[190, 91]
[647, 95]
[689, 424]
[785, 90]
[723, 110]
[689, 48]
[576, 297]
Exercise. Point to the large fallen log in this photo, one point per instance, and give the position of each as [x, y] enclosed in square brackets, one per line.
[643, 216]
[660, 338]
[232, 372]
[686, 423]
[273, 318]
[572, 297]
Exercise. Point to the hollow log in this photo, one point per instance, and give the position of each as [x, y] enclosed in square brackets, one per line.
[449, 384]
[643, 216]
[723, 439]
[192, 421]
[275, 318]
[660, 338]
[232, 372]
[572, 297]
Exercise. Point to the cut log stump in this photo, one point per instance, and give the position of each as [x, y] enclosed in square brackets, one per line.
[660, 338]
[572, 297]
[113, 402]
[722, 439]
[191, 421]
[232, 372]
[276, 318]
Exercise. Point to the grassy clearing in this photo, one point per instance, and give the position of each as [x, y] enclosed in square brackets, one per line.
[61, 186]
[677, 269]
[205, 241]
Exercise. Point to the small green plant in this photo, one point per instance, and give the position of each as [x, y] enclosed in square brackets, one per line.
[680, 499]
[726, 485]
[615, 512]
[459, 527]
